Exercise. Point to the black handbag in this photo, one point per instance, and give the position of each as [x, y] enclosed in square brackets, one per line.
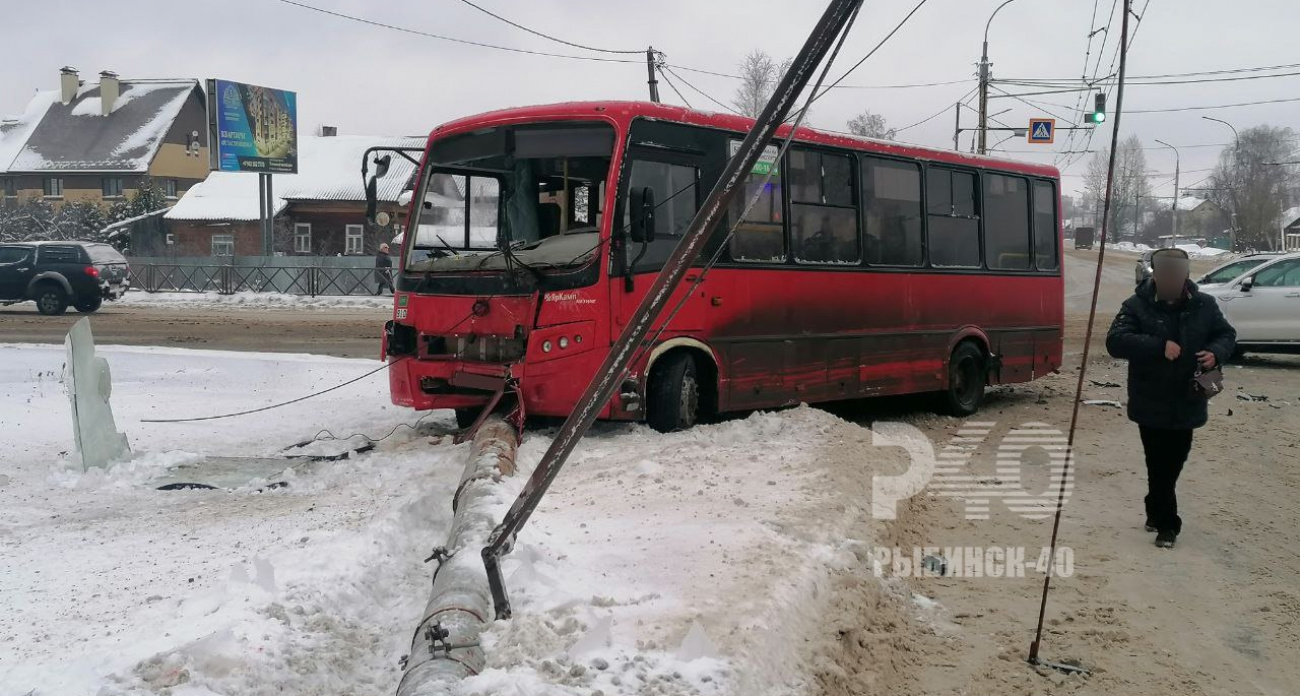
[1208, 383]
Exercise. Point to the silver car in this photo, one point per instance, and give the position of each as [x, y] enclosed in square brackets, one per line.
[1263, 304]
[1230, 271]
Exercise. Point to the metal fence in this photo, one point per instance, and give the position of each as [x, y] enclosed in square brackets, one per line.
[292, 275]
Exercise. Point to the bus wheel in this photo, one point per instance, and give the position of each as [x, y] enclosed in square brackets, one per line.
[966, 380]
[465, 417]
[673, 395]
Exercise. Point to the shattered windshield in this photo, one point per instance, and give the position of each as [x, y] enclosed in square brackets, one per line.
[503, 197]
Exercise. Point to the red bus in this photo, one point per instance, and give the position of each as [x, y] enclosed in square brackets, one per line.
[866, 268]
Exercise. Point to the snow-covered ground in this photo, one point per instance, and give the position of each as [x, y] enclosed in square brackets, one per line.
[690, 563]
[261, 300]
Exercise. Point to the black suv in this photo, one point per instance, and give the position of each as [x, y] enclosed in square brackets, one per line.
[58, 274]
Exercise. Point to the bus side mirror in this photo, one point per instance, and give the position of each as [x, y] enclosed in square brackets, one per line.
[372, 185]
[643, 214]
[1247, 283]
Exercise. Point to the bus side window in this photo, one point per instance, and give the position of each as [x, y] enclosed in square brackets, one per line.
[891, 197]
[1006, 222]
[1046, 228]
[824, 220]
[760, 234]
[953, 228]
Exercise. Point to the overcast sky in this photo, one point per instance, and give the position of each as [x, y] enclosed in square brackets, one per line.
[370, 80]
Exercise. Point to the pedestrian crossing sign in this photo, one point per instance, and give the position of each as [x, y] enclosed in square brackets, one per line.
[1042, 131]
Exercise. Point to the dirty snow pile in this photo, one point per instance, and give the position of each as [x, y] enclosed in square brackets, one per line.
[258, 300]
[690, 563]
[1195, 251]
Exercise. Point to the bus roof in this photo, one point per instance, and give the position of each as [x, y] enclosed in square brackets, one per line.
[623, 112]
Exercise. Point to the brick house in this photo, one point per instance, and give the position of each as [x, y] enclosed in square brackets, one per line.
[320, 211]
[97, 142]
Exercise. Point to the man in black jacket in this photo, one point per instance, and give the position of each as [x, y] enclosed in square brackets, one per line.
[1168, 331]
[383, 270]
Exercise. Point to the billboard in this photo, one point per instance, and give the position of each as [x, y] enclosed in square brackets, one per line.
[253, 129]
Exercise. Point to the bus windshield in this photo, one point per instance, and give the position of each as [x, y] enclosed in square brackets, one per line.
[533, 189]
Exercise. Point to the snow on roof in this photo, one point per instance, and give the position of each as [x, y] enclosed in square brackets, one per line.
[1190, 203]
[1289, 216]
[329, 169]
[15, 131]
[78, 137]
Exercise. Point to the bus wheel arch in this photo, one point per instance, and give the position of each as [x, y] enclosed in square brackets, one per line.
[967, 376]
[681, 385]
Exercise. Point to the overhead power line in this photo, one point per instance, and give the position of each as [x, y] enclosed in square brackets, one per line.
[668, 70]
[548, 37]
[441, 37]
[872, 52]
[1215, 106]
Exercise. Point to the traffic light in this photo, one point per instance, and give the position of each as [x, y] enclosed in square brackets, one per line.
[1099, 109]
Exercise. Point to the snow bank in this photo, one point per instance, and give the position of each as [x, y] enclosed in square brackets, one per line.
[1195, 251]
[693, 563]
[258, 300]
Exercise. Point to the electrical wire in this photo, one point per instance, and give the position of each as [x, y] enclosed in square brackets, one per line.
[548, 36]
[872, 52]
[467, 42]
[1215, 106]
[697, 90]
[1026, 102]
[678, 92]
[936, 114]
[385, 366]
[331, 436]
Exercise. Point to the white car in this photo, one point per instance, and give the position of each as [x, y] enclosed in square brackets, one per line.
[1230, 271]
[1263, 304]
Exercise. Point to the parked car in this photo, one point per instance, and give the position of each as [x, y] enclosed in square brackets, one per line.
[1084, 237]
[57, 274]
[1143, 269]
[1230, 271]
[1263, 304]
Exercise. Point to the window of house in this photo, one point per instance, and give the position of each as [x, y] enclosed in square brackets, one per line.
[10, 187]
[953, 227]
[891, 197]
[223, 245]
[302, 237]
[353, 239]
[112, 186]
[1006, 222]
[823, 217]
[676, 190]
[760, 234]
[1046, 231]
[54, 187]
[171, 188]
[171, 239]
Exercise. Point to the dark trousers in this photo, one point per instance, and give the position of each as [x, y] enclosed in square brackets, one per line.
[384, 283]
[1166, 452]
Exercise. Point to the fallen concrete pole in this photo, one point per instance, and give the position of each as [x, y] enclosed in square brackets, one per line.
[445, 648]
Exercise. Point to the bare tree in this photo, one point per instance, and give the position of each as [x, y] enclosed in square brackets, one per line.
[1254, 186]
[759, 75]
[1131, 193]
[869, 125]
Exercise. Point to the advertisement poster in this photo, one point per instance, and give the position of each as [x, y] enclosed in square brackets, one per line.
[255, 129]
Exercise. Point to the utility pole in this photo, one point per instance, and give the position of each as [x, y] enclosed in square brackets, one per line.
[1236, 167]
[653, 80]
[984, 83]
[1178, 165]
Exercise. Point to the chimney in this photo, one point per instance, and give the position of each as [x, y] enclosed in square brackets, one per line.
[329, 131]
[68, 84]
[109, 89]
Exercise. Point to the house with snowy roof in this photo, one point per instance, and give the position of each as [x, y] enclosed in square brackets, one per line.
[319, 211]
[97, 142]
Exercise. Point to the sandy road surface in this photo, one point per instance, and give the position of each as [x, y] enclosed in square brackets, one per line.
[342, 332]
